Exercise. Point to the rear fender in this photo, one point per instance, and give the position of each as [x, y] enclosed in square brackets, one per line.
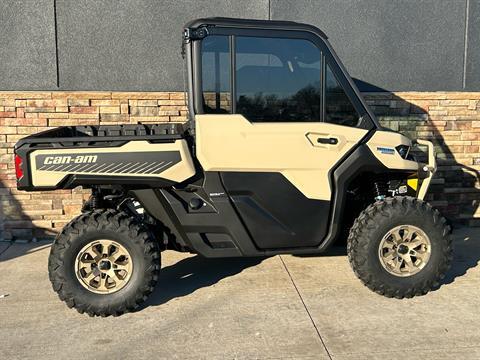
[136, 163]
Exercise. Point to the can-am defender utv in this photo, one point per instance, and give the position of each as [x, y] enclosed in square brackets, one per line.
[279, 156]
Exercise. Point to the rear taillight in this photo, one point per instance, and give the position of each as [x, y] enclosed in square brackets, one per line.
[18, 167]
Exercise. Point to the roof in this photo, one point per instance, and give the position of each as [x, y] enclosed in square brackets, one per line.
[252, 23]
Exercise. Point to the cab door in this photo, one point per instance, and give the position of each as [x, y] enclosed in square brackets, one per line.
[275, 121]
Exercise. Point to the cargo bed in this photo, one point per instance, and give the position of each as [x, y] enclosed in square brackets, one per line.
[152, 155]
[104, 133]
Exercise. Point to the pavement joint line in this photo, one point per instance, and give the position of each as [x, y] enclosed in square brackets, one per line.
[8, 247]
[306, 308]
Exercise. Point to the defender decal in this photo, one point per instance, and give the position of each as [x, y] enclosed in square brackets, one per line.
[386, 150]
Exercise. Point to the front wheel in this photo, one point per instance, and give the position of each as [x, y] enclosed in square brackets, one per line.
[400, 247]
[104, 263]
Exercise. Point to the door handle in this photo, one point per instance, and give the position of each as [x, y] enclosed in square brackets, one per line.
[328, 141]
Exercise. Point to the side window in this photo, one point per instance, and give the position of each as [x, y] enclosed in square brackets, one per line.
[277, 80]
[338, 108]
[216, 75]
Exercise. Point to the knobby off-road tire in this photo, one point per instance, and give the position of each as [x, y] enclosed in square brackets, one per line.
[142, 261]
[375, 224]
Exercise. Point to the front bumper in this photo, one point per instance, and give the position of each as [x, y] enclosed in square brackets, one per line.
[428, 169]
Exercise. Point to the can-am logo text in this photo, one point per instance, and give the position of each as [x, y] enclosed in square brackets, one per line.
[79, 159]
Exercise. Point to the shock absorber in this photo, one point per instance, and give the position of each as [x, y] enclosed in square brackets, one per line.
[380, 190]
[95, 201]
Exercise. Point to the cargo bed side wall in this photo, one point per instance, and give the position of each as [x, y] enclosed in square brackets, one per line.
[451, 120]
[170, 161]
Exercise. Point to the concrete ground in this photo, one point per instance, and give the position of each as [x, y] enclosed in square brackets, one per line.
[278, 307]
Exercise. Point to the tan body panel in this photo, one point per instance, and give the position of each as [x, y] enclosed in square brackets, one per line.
[232, 143]
[393, 160]
[177, 172]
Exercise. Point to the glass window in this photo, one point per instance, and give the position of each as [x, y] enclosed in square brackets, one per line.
[216, 74]
[338, 108]
[277, 80]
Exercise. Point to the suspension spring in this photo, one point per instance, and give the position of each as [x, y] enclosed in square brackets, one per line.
[380, 190]
[95, 202]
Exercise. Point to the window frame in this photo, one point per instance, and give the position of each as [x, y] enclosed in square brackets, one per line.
[326, 56]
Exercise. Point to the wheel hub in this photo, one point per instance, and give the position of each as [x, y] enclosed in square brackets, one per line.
[404, 250]
[103, 266]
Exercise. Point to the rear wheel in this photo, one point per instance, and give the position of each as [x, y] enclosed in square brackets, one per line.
[400, 247]
[103, 263]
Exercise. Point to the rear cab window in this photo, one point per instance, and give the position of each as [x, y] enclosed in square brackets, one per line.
[216, 75]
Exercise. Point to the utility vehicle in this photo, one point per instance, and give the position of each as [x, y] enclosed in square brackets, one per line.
[280, 155]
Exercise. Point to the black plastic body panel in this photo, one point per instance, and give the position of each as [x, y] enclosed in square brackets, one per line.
[137, 182]
[217, 232]
[360, 161]
[275, 212]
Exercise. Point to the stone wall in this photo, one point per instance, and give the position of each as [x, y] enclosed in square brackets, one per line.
[451, 120]
[27, 215]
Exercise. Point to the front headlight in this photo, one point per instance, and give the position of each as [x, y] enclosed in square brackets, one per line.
[403, 150]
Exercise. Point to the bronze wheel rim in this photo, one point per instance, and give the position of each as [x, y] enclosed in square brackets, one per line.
[405, 250]
[103, 266]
